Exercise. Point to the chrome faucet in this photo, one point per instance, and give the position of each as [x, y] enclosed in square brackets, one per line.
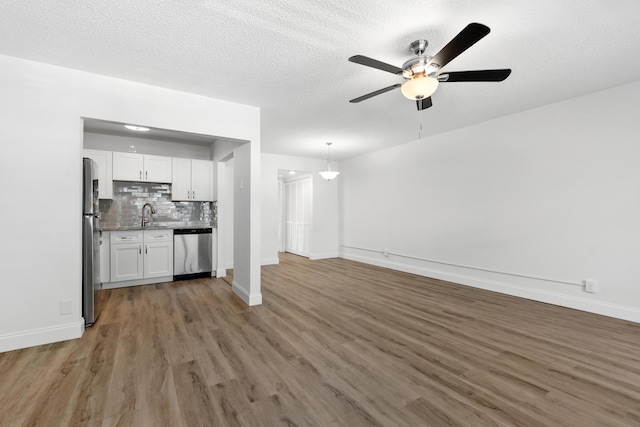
[145, 221]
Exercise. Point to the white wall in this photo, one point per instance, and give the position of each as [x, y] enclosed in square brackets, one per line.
[40, 171]
[246, 269]
[227, 208]
[324, 229]
[223, 148]
[98, 141]
[529, 205]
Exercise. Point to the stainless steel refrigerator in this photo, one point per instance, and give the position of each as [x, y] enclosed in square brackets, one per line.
[91, 285]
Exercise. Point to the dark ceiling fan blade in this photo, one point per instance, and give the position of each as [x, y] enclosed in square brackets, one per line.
[424, 103]
[377, 92]
[475, 76]
[369, 62]
[469, 36]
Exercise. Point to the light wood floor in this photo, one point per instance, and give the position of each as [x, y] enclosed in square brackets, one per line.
[336, 343]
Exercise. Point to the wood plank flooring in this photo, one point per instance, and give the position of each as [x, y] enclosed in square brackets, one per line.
[336, 343]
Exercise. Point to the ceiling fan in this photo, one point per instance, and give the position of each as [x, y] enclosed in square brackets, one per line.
[423, 73]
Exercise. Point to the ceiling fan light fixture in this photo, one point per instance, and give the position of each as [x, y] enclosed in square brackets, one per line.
[419, 87]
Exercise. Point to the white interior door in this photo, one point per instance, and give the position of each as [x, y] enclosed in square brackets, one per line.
[297, 213]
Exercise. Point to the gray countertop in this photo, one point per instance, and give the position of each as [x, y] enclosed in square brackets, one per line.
[166, 226]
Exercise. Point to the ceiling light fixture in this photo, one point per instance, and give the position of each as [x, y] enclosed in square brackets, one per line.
[420, 86]
[329, 174]
[137, 128]
[292, 172]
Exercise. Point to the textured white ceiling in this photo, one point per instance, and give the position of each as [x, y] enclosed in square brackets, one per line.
[290, 57]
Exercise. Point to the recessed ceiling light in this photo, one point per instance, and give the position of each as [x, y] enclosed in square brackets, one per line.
[292, 172]
[137, 128]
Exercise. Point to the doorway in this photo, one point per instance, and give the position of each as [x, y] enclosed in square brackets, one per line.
[296, 218]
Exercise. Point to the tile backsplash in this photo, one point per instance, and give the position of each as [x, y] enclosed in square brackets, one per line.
[125, 210]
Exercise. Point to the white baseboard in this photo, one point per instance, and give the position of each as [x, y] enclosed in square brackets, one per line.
[323, 255]
[221, 272]
[617, 311]
[253, 299]
[299, 253]
[270, 261]
[139, 282]
[41, 336]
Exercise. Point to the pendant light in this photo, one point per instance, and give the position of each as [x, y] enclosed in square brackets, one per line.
[329, 174]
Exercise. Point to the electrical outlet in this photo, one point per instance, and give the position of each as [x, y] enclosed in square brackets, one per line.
[590, 285]
[385, 251]
[65, 306]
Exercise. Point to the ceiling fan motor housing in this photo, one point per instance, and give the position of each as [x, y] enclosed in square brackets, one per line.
[422, 64]
[419, 47]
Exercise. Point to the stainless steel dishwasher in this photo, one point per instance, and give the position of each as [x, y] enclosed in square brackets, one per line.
[191, 253]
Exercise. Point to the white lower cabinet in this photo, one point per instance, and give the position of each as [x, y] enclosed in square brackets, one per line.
[105, 257]
[126, 256]
[158, 253]
[139, 254]
[126, 262]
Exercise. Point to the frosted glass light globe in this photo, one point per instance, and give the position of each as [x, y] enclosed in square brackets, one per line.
[419, 87]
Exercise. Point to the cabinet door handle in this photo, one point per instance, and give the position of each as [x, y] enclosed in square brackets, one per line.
[140, 249]
[140, 174]
[145, 249]
[193, 192]
[146, 174]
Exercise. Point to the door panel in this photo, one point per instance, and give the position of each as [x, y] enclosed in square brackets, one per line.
[158, 259]
[181, 181]
[157, 168]
[126, 262]
[202, 180]
[298, 216]
[127, 167]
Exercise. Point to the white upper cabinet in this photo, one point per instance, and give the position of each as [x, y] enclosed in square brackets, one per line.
[181, 184]
[202, 180]
[157, 169]
[128, 166]
[105, 168]
[141, 167]
[192, 180]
